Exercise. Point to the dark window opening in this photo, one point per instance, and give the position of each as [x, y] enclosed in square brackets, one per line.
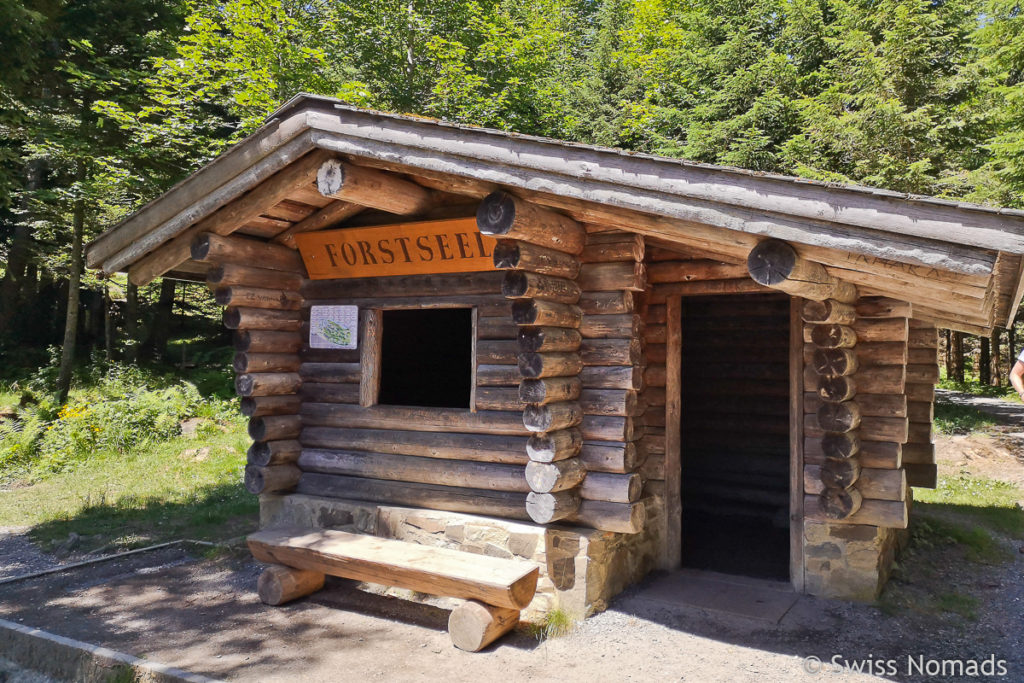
[426, 358]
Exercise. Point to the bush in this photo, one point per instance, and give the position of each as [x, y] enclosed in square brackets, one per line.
[124, 409]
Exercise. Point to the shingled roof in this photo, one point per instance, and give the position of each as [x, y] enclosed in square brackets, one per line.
[959, 263]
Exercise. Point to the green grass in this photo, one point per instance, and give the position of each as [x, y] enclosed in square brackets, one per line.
[166, 491]
[995, 505]
[952, 418]
[976, 388]
[957, 603]
[556, 623]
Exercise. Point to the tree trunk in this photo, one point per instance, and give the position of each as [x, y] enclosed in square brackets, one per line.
[997, 358]
[984, 362]
[949, 354]
[160, 328]
[67, 357]
[108, 322]
[131, 324]
[18, 256]
[1011, 340]
[958, 356]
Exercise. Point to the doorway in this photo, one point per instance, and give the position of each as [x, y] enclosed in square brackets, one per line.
[734, 434]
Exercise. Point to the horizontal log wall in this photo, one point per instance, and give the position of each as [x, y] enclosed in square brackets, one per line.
[430, 457]
[871, 375]
[922, 376]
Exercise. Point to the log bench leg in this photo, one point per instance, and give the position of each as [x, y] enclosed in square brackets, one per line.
[474, 625]
[279, 584]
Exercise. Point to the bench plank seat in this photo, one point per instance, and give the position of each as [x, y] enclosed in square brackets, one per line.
[437, 571]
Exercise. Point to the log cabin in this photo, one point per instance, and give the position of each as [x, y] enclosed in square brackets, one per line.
[578, 360]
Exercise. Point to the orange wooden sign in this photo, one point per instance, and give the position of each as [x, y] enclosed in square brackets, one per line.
[448, 246]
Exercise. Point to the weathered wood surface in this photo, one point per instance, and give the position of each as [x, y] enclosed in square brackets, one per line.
[512, 254]
[505, 216]
[233, 274]
[265, 362]
[279, 584]
[426, 569]
[474, 625]
[224, 221]
[275, 427]
[267, 384]
[774, 263]
[443, 445]
[264, 453]
[271, 479]
[267, 341]
[258, 297]
[259, 406]
[214, 248]
[411, 468]
[881, 513]
[367, 187]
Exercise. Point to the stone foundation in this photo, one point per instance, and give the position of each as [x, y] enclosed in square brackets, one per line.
[848, 561]
[580, 569]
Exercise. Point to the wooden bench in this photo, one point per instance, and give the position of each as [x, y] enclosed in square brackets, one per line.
[495, 589]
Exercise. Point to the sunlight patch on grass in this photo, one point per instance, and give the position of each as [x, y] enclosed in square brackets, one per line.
[994, 504]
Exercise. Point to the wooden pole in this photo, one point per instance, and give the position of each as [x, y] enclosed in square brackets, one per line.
[774, 263]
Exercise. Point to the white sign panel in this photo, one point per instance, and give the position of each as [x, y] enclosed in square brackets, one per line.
[333, 327]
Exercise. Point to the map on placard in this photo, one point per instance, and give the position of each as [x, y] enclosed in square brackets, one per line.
[333, 327]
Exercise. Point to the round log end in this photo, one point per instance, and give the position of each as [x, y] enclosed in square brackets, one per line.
[259, 454]
[232, 318]
[544, 508]
[840, 445]
[506, 254]
[524, 312]
[474, 625]
[496, 213]
[839, 504]
[531, 338]
[215, 275]
[257, 429]
[530, 365]
[515, 284]
[839, 473]
[836, 389]
[243, 339]
[244, 385]
[255, 482]
[330, 177]
[200, 247]
[279, 584]
[222, 295]
[771, 262]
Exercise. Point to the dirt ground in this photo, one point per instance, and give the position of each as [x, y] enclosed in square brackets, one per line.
[202, 615]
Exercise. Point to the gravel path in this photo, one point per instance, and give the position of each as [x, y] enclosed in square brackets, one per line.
[19, 555]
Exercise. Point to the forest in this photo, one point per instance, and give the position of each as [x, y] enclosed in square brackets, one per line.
[104, 105]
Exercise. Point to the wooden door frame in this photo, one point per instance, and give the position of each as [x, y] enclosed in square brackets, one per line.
[796, 444]
[672, 556]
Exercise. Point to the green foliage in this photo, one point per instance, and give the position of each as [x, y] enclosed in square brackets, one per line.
[122, 409]
[555, 624]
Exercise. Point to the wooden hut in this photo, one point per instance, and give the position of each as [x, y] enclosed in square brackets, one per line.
[594, 362]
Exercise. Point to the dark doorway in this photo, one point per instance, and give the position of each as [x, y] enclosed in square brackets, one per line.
[427, 358]
[735, 434]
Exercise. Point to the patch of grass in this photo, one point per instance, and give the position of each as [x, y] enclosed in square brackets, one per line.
[931, 532]
[976, 388]
[993, 504]
[556, 623]
[958, 603]
[952, 418]
[168, 490]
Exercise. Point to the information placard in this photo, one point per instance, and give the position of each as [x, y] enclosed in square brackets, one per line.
[333, 327]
